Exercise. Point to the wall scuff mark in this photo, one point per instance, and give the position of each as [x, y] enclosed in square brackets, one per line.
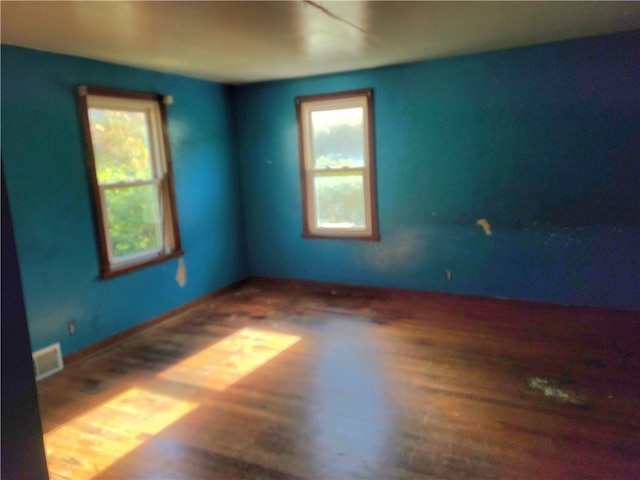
[485, 226]
[400, 251]
[181, 273]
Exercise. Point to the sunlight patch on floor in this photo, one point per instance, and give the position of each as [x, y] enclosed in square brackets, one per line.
[230, 359]
[89, 444]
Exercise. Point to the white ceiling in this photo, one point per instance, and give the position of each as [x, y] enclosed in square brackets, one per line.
[240, 42]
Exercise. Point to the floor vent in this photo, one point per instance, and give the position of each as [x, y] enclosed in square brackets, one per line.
[47, 361]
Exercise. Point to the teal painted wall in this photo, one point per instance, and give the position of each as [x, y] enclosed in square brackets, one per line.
[44, 163]
[543, 142]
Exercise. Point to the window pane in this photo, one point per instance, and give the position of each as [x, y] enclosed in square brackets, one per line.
[120, 145]
[338, 138]
[339, 201]
[133, 218]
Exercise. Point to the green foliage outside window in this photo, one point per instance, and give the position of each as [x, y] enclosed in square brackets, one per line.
[340, 200]
[122, 154]
[132, 217]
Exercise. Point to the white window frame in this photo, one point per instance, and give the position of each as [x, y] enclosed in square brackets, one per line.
[152, 106]
[309, 172]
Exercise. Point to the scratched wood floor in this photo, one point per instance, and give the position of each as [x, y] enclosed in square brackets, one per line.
[281, 379]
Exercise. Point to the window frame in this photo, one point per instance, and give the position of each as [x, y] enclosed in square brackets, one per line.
[153, 104]
[307, 104]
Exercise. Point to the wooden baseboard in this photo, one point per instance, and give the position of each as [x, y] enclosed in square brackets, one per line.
[118, 337]
[342, 288]
[306, 285]
[409, 294]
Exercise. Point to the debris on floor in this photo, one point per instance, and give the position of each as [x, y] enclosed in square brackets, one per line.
[555, 389]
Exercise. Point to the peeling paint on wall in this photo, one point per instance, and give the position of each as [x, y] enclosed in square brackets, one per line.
[181, 273]
[485, 226]
[398, 251]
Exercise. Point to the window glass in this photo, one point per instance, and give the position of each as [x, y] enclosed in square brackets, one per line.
[340, 201]
[121, 145]
[338, 138]
[134, 220]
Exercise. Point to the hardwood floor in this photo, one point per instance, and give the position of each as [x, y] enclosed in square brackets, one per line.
[297, 380]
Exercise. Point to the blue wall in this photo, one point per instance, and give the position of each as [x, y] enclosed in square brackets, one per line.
[543, 142]
[44, 163]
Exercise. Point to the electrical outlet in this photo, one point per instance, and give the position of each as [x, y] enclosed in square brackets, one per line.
[71, 327]
[449, 275]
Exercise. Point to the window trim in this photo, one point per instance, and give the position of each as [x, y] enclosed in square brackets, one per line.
[109, 269]
[305, 103]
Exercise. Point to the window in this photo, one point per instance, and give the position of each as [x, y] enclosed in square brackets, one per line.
[130, 170]
[337, 165]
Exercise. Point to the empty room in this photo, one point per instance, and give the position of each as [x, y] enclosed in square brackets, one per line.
[320, 240]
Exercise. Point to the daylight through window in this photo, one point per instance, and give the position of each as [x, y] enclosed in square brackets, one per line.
[131, 174]
[337, 165]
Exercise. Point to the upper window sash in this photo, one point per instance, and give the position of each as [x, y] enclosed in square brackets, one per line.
[150, 108]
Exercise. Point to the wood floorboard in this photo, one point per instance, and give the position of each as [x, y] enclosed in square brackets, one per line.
[293, 380]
